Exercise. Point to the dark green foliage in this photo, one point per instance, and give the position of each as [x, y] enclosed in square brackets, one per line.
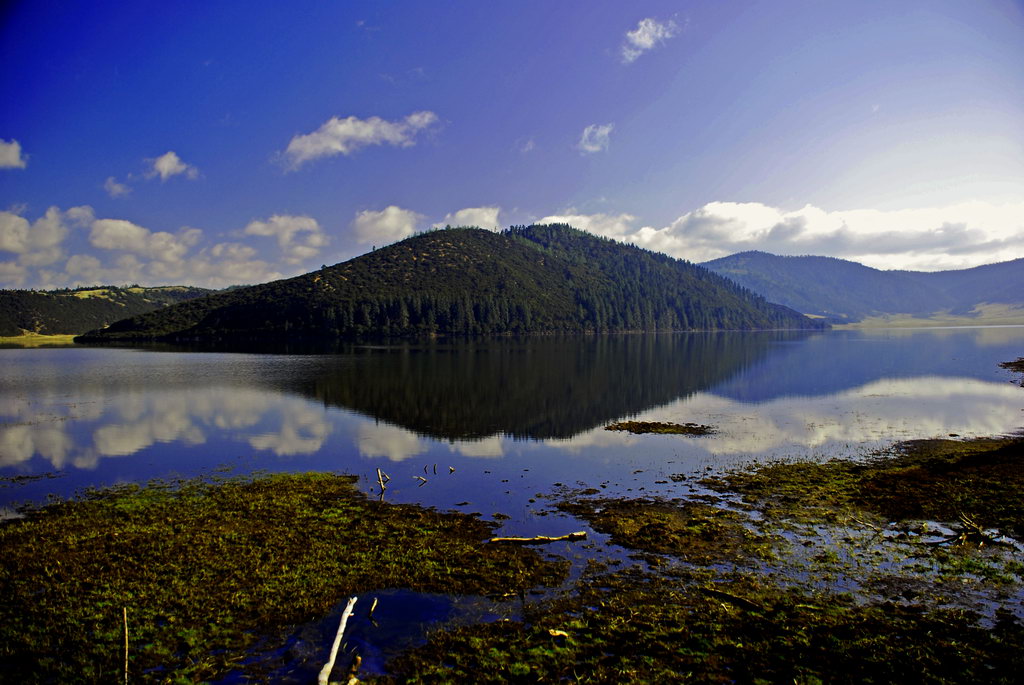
[67, 312]
[847, 291]
[468, 282]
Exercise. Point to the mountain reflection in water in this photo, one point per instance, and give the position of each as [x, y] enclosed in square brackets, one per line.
[130, 414]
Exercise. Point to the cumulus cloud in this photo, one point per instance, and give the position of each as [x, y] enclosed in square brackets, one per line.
[595, 138]
[10, 155]
[482, 217]
[647, 35]
[344, 136]
[617, 226]
[386, 226]
[927, 239]
[170, 164]
[118, 234]
[299, 237]
[33, 253]
[38, 243]
[114, 188]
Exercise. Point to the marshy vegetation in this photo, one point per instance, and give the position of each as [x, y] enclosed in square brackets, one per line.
[662, 427]
[207, 570]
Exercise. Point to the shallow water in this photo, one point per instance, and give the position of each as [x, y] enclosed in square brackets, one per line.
[491, 426]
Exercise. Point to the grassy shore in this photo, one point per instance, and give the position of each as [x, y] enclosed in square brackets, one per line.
[37, 340]
[207, 570]
[728, 598]
[873, 570]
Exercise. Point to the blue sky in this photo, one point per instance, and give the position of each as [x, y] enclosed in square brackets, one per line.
[215, 143]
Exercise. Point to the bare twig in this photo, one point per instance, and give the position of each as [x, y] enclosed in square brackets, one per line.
[325, 672]
[126, 645]
[538, 539]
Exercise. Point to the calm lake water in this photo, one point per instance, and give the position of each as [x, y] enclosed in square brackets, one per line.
[514, 419]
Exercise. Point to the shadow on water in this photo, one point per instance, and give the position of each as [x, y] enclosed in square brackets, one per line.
[545, 389]
[534, 388]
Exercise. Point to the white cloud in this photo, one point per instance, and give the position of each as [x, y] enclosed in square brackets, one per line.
[482, 217]
[36, 244]
[617, 226]
[169, 164]
[115, 189]
[647, 35]
[595, 138]
[345, 136]
[299, 237]
[10, 155]
[927, 239]
[12, 273]
[386, 226]
[126, 252]
[118, 234]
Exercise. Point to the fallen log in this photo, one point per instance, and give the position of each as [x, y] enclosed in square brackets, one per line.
[325, 672]
[541, 539]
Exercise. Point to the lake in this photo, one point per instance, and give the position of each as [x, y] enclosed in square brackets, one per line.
[488, 426]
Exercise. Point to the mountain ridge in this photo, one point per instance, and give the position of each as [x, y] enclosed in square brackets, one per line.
[844, 291]
[468, 281]
[78, 310]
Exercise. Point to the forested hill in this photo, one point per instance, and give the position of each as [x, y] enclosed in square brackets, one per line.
[845, 291]
[468, 281]
[69, 312]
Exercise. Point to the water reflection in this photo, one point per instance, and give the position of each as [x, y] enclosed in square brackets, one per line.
[539, 388]
[877, 413]
[130, 414]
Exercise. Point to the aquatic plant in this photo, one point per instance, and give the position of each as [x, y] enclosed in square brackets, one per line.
[206, 569]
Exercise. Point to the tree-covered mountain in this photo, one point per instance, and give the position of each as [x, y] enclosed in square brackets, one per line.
[70, 312]
[844, 291]
[467, 281]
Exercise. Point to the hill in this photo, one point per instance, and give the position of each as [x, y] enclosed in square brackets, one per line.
[846, 292]
[71, 312]
[467, 281]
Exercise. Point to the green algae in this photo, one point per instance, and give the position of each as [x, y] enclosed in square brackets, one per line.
[697, 532]
[642, 628]
[207, 569]
[937, 480]
[661, 427]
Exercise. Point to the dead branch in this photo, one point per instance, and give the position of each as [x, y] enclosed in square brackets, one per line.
[325, 672]
[540, 539]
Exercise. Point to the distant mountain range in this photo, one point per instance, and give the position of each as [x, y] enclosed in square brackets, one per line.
[71, 312]
[468, 281]
[846, 292]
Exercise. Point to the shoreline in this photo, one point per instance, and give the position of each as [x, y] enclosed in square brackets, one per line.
[757, 545]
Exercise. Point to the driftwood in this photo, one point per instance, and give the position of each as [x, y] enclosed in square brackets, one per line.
[125, 645]
[970, 532]
[540, 539]
[325, 672]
